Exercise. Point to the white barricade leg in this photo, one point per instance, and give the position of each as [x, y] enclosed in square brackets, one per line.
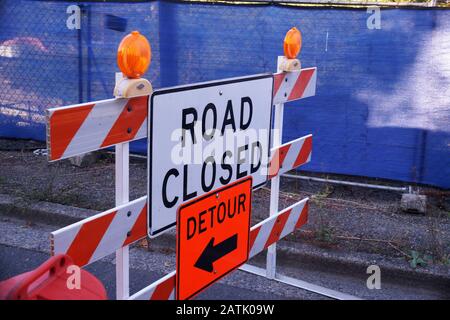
[122, 197]
[275, 182]
[122, 188]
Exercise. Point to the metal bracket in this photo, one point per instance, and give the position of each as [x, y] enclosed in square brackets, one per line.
[300, 284]
[129, 88]
[289, 65]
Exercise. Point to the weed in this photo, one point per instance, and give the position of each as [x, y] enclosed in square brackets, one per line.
[437, 244]
[322, 195]
[419, 259]
[325, 234]
[445, 260]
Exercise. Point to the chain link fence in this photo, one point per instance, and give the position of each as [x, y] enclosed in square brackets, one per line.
[45, 63]
[34, 62]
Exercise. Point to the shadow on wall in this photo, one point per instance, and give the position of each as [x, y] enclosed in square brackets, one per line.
[382, 109]
[419, 101]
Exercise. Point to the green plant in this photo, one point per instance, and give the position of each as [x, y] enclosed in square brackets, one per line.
[445, 260]
[418, 259]
[325, 234]
[323, 194]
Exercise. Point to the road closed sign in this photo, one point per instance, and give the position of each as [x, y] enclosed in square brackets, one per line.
[212, 237]
[205, 136]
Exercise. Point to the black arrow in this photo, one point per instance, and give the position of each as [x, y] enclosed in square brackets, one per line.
[212, 252]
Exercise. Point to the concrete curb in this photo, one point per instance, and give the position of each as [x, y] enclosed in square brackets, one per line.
[41, 211]
[289, 252]
[358, 263]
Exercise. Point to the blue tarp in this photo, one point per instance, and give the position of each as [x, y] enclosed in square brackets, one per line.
[382, 107]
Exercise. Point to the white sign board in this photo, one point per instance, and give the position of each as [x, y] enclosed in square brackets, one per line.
[204, 136]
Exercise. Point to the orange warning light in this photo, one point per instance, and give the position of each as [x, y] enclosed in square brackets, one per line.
[292, 43]
[134, 55]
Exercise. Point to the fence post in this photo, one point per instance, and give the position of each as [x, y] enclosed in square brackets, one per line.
[122, 197]
[271, 262]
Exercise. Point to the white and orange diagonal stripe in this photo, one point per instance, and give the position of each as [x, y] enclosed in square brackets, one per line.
[262, 235]
[94, 238]
[163, 289]
[290, 155]
[290, 86]
[86, 127]
[277, 227]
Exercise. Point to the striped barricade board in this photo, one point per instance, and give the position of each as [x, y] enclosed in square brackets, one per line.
[87, 127]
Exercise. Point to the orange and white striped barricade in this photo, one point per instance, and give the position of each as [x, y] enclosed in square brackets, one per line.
[295, 85]
[87, 127]
[81, 128]
[93, 238]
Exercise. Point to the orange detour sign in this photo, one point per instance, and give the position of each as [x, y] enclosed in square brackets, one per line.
[212, 237]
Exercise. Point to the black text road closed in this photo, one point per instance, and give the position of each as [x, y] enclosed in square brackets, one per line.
[212, 236]
[205, 136]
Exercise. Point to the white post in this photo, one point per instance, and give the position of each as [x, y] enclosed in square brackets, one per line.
[271, 262]
[122, 196]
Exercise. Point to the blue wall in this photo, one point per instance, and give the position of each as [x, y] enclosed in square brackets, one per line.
[383, 97]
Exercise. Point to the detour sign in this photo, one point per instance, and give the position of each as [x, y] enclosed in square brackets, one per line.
[213, 237]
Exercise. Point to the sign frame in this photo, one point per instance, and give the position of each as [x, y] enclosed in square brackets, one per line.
[200, 198]
[154, 233]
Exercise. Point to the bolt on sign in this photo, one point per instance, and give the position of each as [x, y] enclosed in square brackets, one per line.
[205, 136]
[212, 236]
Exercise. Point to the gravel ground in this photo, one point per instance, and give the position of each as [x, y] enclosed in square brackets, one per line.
[342, 219]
